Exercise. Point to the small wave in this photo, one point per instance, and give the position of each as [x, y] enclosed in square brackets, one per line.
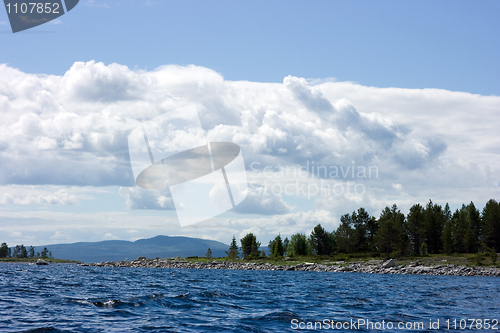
[194, 280]
[214, 294]
[155, 286]
[107, 304]
[133, 302]
[25, 290]
[48, 329]
[281, 316]
[69, 284]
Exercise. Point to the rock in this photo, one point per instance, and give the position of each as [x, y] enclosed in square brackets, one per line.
[389, 263]
[41, 262]
[389, 267]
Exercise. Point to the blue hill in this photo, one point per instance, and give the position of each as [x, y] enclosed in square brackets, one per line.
[116, 250]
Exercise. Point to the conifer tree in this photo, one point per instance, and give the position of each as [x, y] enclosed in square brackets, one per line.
[232, 252]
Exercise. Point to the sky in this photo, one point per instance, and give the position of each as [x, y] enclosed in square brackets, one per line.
[335, 105]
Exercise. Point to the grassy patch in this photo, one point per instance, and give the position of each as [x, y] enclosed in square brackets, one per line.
[364, 258]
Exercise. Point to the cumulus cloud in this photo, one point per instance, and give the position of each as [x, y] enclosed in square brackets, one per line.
[58, 236]
[32, 195]
[260, 202]
[139, 198]
[109, 236]
[311, 98]
[71, 130]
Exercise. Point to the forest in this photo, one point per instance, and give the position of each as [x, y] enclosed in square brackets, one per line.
[20, 251]
[429, 229]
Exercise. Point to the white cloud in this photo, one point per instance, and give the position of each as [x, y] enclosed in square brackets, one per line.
[260, 202]
[397, 187]
[109, 236]
[71, 130]
[139, 198]
[58, 236]
[34, 195]
[39, 227]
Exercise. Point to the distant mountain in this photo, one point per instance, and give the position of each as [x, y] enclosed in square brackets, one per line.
[116, 250]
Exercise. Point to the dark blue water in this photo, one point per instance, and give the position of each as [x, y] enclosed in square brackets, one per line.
[69, 298]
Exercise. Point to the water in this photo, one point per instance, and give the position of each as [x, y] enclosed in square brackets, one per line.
[69, 298]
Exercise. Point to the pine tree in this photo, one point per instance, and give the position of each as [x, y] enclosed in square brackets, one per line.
[23, 252]
[276, 247]
[389, 235]
[286, 242]
[322, 242]
[447, 237]
[4, 251]
[473, 234]
[433, 226]
[232, 252]
[491, 224]
[415, 220]
[250, 246]
[361, 222]
[298, 245]
[31, 252]
[459, 229]
[209, 254]
[345, 234]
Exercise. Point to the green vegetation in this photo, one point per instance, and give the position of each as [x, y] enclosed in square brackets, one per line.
[250, 246]
[464, 259]
[232, 253]
[20, 252]
[431, 233]
[276, 247]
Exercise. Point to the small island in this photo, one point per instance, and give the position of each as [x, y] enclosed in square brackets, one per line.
[21, 254]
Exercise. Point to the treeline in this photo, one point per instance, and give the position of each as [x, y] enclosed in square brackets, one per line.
[20, 251]
[424, 230]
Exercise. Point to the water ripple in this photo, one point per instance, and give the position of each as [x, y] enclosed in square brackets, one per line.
[69, 298]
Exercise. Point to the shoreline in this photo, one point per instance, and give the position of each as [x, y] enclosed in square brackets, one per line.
[388, 267]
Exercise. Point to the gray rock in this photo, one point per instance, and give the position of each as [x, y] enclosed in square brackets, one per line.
[389, 263]
[41, 262]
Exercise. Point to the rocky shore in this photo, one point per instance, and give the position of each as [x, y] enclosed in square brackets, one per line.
[375, 267]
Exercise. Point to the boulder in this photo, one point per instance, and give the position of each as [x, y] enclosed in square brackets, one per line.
[389, 263]
[41, 262]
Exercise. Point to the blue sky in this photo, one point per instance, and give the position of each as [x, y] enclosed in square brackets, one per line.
[426, 44]
[409, 87]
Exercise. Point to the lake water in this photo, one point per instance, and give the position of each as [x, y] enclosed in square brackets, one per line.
[69, 298]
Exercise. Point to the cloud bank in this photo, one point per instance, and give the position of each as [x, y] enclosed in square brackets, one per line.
[71, 131]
